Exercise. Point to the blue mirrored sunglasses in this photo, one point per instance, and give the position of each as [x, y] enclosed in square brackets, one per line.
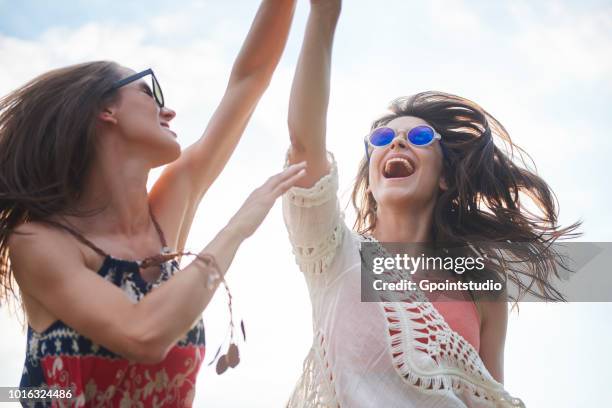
[419, 136]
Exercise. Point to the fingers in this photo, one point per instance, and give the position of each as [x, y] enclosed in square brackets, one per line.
[284, 175]
[257, 206]
[291, 171]
[285, 185]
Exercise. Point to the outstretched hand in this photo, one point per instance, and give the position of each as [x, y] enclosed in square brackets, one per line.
[252, 213]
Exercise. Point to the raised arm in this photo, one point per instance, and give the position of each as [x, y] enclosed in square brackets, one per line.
[250, 76]
[310, 91]
[182, 184]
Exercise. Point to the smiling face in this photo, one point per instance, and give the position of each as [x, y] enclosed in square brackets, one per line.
[401, 174]
[143, 127]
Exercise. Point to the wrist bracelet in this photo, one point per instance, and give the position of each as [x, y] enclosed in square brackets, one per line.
[231, 358]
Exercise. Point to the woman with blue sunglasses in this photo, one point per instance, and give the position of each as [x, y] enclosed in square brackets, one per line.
[431, 174]
[111, 319]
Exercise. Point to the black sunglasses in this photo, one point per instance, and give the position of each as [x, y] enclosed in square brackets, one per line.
[155, 89]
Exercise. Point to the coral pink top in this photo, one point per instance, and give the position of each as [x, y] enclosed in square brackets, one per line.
[462, 317]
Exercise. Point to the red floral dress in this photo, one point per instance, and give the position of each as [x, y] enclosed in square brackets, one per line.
[60, 356]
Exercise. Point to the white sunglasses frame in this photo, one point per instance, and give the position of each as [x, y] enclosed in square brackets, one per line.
[398, 133]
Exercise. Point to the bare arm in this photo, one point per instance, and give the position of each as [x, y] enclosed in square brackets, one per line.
[493, 336]
[310, 91]
[182, 184]
[251, 75]
[51, 269]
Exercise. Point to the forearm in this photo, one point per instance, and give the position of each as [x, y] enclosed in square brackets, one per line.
[309, 98]
[265, 41]
[168, 312]
[249, 79]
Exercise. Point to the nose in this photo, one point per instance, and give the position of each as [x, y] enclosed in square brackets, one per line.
[167, 114]
[398, 143]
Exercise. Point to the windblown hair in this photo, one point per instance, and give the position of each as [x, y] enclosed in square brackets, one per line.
[488, 193]
[47, 134]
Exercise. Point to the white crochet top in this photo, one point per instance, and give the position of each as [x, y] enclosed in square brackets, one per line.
[354, 360]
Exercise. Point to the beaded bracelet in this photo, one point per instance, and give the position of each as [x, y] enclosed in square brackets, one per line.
[232, 357]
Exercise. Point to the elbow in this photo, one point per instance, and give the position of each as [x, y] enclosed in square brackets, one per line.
[297, 144]
[257, 81]
[152, 355]
[293, 124]
[297, 135]
[263, 79]
[145, 348]
[303, 139]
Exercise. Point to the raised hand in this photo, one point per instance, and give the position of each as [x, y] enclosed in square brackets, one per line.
[252, 213]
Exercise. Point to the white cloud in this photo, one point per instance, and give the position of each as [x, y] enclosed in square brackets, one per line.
[560, 42]
[457, 16]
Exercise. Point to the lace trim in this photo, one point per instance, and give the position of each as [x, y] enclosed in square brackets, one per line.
[324, 189]
[318, 258]
[417, 330]
[315, 388]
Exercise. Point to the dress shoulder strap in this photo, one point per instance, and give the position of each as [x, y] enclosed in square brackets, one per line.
[97, 249]
[77, 235]
[162, 238]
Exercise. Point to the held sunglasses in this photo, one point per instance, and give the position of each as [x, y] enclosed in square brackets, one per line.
[419, 136]
[154, 90]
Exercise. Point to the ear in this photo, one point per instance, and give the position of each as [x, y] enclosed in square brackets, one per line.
[107, 115]
[442, 184]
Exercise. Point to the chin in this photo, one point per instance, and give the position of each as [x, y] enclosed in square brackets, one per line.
[400, 196]
[167, 154]
[394, 199]
[174, 152]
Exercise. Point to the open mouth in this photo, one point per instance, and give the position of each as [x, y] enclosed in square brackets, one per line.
[397, 167]
[167, 126]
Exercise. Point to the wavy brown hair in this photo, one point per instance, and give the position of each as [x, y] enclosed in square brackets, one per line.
[47, 134]
[488, 190]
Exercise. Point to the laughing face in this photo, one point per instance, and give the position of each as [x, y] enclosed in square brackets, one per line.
[401, 174]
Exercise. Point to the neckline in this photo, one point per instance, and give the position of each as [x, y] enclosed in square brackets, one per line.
[133, 268]
[79, 236]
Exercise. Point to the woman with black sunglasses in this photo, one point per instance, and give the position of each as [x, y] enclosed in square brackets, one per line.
[431, 174]
[111, 319]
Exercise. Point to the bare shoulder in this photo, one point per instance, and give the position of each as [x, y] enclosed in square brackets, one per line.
[33, 245]
[57, 284]
[494, 322]
[36, 237]
[492, 311]
[42, 257]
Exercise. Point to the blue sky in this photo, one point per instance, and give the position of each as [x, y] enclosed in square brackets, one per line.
[544, 69]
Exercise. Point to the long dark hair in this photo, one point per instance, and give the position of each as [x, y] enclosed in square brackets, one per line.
[47, 133]
[483, 202]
